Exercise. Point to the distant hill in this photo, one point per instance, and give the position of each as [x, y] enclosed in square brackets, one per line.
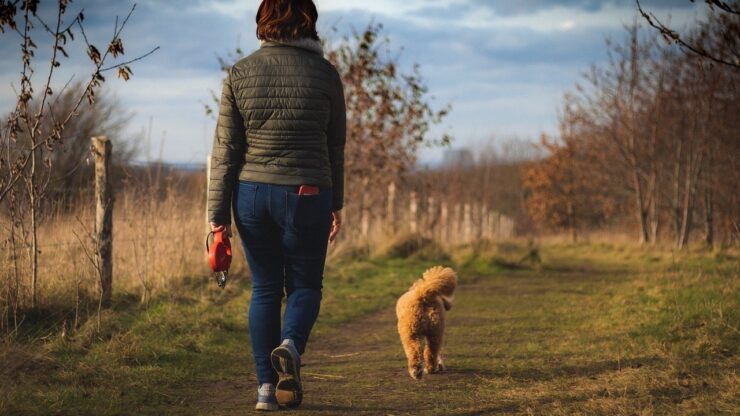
[178, 166]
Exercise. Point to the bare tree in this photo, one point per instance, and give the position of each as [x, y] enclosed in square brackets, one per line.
[34, 119]
[70, 167]
[660, 128]
[724, 16]
[388, 114]
[622, 104]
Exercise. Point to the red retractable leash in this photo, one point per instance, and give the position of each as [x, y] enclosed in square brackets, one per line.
[219, 256]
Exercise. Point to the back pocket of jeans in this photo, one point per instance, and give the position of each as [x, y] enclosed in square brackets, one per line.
[309, 211]
[244, 200]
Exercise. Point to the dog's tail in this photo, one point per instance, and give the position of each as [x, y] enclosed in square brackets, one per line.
[439, 281]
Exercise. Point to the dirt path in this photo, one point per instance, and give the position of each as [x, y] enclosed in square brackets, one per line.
[359, 368]
[558, 342]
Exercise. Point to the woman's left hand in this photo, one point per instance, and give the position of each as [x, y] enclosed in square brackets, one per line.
[225, 228]
[336, 225]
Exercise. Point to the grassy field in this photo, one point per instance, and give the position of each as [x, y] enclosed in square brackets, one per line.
[567, 329]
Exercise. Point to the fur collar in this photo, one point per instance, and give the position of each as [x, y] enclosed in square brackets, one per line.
[303, 43]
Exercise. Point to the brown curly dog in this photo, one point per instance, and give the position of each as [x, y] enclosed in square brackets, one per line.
[421, 316]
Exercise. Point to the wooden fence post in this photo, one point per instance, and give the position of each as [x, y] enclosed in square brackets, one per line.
[490, 234]
[456, 224]
[509, 227]
[390, 209]
[101, 147]
[431, 218]
[444, 223]
[467, 224]
[483, 221]
[365, 211]
[413, 208]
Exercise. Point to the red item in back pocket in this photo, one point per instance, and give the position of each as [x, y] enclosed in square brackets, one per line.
[308, 190]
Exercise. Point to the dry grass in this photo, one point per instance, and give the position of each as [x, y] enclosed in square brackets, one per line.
[157, 244]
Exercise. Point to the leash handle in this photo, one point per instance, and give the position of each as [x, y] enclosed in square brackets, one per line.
[219, 253]
[219, 256]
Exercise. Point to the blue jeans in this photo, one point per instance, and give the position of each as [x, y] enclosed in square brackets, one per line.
[285, 238]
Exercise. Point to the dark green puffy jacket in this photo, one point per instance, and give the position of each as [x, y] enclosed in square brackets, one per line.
[282, 121]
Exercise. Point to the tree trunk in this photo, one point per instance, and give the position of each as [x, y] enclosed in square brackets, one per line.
[686, 215]
[572, 222]
[641, 210]
[652, 206]
[32, 193]
[709, 200]
[654, 171]
[677, 193]
[654, 219]
[688, 201]
[708, 216]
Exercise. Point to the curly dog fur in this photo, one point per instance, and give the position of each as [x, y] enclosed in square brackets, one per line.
[421, 317]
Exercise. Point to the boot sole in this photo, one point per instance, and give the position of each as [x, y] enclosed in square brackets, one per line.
[288, 390]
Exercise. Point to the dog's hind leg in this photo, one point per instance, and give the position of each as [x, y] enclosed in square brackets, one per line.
[433, 353]
[412, 347]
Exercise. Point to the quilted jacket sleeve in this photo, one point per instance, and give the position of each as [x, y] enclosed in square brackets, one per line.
[227, 156]
[336, 137]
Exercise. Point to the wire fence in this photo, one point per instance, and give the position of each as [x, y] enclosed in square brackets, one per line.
[156, 238]
[149, 254]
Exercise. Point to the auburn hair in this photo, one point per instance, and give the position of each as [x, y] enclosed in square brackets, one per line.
[287, 20]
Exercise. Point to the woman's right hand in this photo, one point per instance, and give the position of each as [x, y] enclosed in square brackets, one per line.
[336, 225]
[226, 229]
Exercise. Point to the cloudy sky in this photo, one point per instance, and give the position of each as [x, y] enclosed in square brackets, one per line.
[503, 65]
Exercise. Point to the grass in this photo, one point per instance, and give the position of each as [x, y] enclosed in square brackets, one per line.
[565, 329]
[157, 243]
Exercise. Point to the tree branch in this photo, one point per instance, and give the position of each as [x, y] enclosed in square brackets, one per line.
[670, 34]
[21, 111]
[724, 6]
[131, 61]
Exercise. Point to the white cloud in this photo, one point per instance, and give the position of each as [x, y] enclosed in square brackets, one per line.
[238, 8]
[384, 7]
[478, 16]
[559, 18]
[567, 25]
[174, 103]
[174, 86]
[229, 8]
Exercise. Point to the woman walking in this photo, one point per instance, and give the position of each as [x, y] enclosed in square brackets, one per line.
[277, 161]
